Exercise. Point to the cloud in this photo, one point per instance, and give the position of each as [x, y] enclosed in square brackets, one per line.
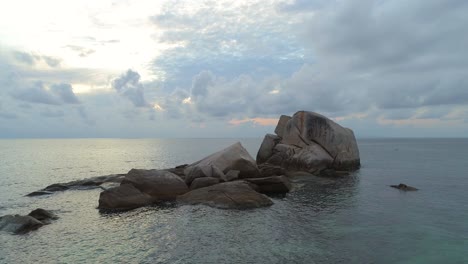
[129, 86]
[37, 92]
[65, 92]
[32, 59]
[52, 113]
[81, 51]
[226, 38]
[257, 121]
[24, 57]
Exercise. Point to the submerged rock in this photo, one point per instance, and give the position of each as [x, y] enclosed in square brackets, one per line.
[21, 224]
[43, 215]
[85, 184]
[228, 195]
[310, 142]
[124, 197]
[234, 157]
[159, 184]
[404, 187]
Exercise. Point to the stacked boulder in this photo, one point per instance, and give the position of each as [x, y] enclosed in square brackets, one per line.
[228, 178]
[309, 142]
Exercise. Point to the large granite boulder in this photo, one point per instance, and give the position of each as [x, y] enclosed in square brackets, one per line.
[234, 157]
[228, 195]
[310, 142]
[159, 184]
[124, 197]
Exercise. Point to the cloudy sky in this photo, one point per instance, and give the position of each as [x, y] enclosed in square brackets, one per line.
[146, 68]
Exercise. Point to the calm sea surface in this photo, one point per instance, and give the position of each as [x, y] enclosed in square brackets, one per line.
[358, 219]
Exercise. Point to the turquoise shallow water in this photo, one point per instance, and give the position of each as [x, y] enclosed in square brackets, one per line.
[358, 219]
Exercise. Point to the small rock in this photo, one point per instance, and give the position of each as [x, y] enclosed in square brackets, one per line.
[404, 187]
[43, 215]
[19, 224]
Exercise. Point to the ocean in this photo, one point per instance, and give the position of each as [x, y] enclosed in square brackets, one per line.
[356, 219]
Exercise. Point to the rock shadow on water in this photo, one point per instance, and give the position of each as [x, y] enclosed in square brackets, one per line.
[158, 206]
[324, 193]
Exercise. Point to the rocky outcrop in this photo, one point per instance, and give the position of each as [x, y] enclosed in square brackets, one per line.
[234, 157]
[310, 142]
[124, 197]
[85, 184]
[21, 224]
[160, 184]
[404, 187]
[228, 195]
[273, 184]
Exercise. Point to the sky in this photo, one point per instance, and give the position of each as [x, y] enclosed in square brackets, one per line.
[178, 69]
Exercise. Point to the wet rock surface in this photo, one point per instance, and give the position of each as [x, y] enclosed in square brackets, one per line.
[310, 142]
[228, 195]
[404, 187]
[22, 224]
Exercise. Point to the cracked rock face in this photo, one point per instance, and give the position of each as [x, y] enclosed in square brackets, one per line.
[310, 142]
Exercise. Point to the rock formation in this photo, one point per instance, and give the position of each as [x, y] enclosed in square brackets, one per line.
[309, 142]
[231, 178]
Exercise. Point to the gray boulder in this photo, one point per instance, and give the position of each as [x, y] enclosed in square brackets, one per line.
[282, 123]
[273, 184]
[310, 142]
[228, 195]
[234, 157]
[231, 175]
[159, 184]
[21, 224]
[43, 215]
[203, 170]
[267, 170]
[203, 182]
[124, 197]
[404, 187]
[266, 149]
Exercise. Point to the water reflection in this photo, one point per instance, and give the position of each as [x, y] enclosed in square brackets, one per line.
[327, 194]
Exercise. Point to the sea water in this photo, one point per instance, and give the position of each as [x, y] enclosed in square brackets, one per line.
[355, 219]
